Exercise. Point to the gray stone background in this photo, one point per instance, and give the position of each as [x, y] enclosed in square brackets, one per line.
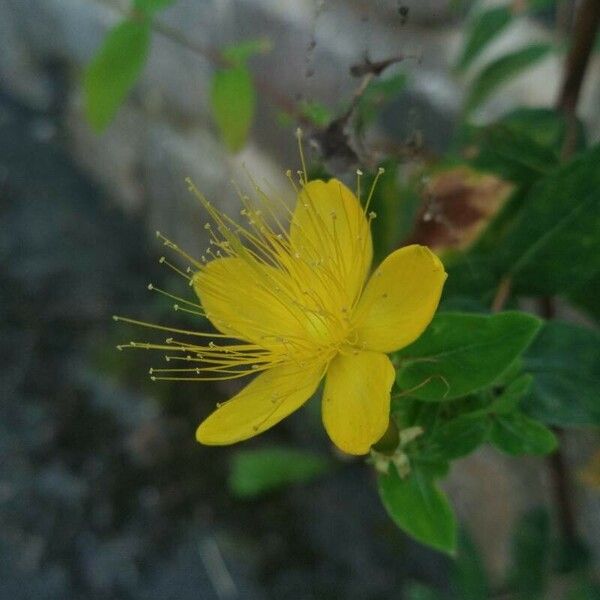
[163, 133]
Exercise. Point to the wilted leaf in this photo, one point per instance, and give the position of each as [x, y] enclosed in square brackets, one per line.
[457, 206]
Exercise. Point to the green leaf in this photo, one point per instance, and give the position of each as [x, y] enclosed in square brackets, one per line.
[114, 70]
[508, 401]
[419, 508]
[516, 434]
[468, 577]
[316, 113]
[152, 6]
[481, 31]
[554, 242]
[510, 151]
[462, 353]
[458, 437]
[502, 69]
[239, 53]
[257, 472]
[531, 556]
[418, 591]
[565, 362]
[233, 101]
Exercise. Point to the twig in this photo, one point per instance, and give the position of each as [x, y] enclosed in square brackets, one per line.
[502, 294]
[585, 30]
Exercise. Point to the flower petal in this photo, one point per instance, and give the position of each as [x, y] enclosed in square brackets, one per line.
[356, 400]
[330, 231]
[265, 401]
[246, 300]
[400, 299]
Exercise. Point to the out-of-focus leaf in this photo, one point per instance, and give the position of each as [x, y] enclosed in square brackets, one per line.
[239, 53]
[114, 70]
[462, 353]
[152, 6]
[257, 472]
[418, 591]
[502, 69]
[468, 577]
[585, 296]
[419, 508]
[458, 437]
[233, 102]
[395, 206]
[376, 95]
[554, 242]
[565, 362]
[317, 113]
[481, 31]
[516, 434]
[531, 556]
[511, 396]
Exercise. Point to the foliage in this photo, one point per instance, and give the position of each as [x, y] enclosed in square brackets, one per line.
[473, 377]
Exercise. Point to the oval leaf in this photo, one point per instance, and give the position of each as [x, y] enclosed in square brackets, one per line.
[565, 363]
[419, 508]
[462, 353]
[233, 101]
[502, 69]
[257, 472]
[114, 71]
[458, 437]
[517, 434]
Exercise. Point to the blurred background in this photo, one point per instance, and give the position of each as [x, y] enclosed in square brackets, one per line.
[104, 493]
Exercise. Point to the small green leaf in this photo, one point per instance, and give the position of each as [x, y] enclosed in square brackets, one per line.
[565, 363]
[516, 434]
[239, 53]
[257, 472]
[481, 31]
[531, 556]
[458, 437]
[462, 353]
[316, 113]
[508, 401]
[502, 69]
[114, 70]
[233, 101]
[152, 6]
[419, 508]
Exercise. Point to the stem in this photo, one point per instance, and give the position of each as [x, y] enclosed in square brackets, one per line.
[587, 22]
[563, 493]
[585, 30]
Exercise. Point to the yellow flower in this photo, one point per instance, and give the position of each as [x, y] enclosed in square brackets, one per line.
[294, 303]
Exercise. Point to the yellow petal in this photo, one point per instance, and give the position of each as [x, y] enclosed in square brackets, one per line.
[247, 301]
[356, 400]
[265, 401]
[330, 232]
[400, 299]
